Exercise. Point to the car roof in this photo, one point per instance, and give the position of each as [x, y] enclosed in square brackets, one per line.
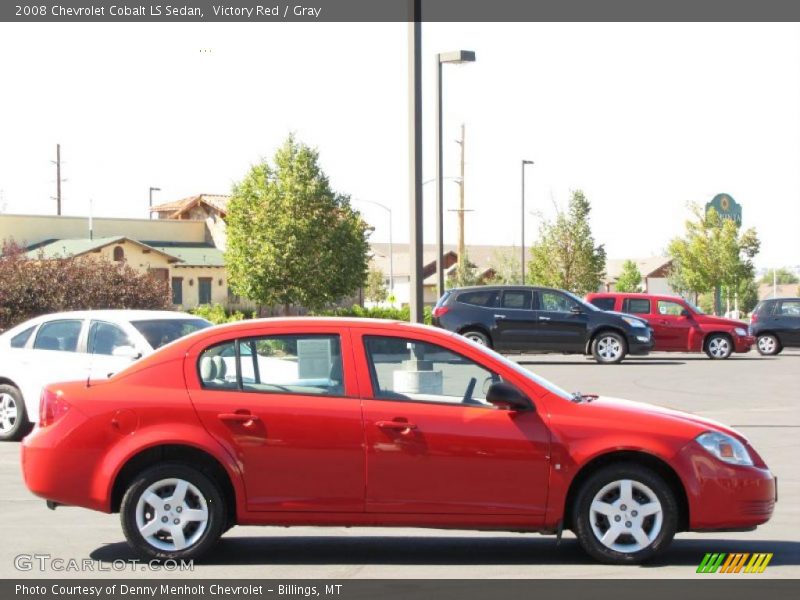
[322, 322]
[478, 288]
[118, 314]
[635, 295]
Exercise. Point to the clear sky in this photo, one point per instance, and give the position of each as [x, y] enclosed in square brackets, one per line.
[643, 117]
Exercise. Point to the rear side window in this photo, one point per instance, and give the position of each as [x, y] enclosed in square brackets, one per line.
[636, 306]
[603, 303]
[285, 364]
[19, 340]
[104, 338]
[481, 298]
[790, 308]
[58, 335]
[519, 299]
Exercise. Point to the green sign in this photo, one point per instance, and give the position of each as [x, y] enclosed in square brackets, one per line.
[726, 207]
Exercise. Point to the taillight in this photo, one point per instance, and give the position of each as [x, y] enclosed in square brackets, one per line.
[438, 311]
[52, 407]
[753, 318]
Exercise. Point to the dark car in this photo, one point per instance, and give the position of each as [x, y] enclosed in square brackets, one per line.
[533, 319]
[775, 323]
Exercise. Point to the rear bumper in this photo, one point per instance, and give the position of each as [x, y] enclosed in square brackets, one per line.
[722, 496]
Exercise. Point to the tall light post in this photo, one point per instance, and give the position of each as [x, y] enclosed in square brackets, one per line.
[522, 222]
[416, 299]
[152, 189]
[391, 245]
[456, 57]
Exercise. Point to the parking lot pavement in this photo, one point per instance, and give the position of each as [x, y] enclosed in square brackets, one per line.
[760, 396]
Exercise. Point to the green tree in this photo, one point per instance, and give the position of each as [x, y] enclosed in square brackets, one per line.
[780, 276]
[565, 256]
[463, 275]
[712, 254]
[375, 289]
[506, 266]
[291, 238]
[630, 280]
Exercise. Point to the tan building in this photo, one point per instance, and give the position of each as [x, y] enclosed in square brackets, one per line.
[654, 270]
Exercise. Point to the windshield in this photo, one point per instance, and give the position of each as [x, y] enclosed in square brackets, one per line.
[159, 332]
[696, 309]
[582, 302]
[541, 381]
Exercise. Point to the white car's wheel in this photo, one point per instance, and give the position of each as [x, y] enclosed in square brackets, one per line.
[14, 422]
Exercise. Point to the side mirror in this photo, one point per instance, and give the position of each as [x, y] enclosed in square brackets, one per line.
[686, 313]
[506, 396]
[126, 352]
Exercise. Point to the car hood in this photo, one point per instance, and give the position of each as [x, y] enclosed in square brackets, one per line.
[629, 409]
[630, 316]
[709, 320]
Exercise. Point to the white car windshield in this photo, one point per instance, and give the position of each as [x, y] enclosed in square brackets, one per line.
[159, 332]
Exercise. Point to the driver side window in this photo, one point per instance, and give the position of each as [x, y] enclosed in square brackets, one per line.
[406, 369]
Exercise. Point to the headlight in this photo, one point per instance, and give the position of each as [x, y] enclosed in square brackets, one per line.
[726, 448]
[634, 322]
[741, 331]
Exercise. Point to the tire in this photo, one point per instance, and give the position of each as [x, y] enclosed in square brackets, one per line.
[609, 348]
[478, 337]
[718, 346]
[155, 486]
[14, 423]
[608, 519]
[768, 344]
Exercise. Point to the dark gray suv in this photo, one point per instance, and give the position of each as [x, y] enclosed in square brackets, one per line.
[536, 319]
[775, 323]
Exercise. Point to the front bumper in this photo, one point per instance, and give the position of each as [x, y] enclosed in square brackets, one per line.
[640, 341]
[743, 343]
[723, 496]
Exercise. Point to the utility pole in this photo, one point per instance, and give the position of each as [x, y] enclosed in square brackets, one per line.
[416, 299]
[57, 162]
[461, 245]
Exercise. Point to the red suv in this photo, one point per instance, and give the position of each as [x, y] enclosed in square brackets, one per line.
[678, 325]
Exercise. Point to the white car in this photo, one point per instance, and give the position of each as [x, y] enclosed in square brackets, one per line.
[76, 345]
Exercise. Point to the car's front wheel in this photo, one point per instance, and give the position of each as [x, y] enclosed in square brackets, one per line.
[14, 422]
[768, 344]
[625, 514]
[172, 511]
[719, 346]
[609, 348]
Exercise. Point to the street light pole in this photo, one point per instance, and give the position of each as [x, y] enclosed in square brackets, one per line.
[152, 189]
[457, 57]
[416, 299]
[391, 245]
[522, 222]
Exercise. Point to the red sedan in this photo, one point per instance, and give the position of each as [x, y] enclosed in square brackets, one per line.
[679, 326]
[359, 422]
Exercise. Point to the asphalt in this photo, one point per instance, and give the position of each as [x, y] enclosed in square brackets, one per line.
[759, 396]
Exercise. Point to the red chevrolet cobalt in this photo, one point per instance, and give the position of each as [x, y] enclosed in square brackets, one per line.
[360, 422]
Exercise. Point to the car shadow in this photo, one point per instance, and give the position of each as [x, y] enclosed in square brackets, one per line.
[416, 550]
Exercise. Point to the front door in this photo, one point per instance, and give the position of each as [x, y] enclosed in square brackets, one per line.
[434, 446]
[562, 323]
[286, 407]
[671, 326]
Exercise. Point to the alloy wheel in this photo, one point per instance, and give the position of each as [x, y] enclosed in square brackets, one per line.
[767, 344]
[477, 338]
[626, 516]
[719, 347]
[609, 348]
[9, 413]
[172, 514]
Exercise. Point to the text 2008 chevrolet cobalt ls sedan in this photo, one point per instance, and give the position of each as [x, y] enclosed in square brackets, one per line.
[359, 422]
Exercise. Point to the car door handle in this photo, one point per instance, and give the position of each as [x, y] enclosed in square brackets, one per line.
[245, 418]
[403, 426]
[499, 316]
[544, 318]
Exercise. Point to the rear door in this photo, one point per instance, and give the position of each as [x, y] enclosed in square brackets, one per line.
[285, 405]
[788, 313]
[515, 321]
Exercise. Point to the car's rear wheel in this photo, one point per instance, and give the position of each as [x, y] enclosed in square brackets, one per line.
[14, 422]
[172, 511]
[609, 348]
[625, 514]
[478, 337]
[768, 344]
[719, 346]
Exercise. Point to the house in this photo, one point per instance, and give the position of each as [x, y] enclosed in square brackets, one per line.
[209, 208]
[654, 270]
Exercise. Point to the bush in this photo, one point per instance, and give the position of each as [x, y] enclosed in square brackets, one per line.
[218, 314]
[375, 312]
[33, 287]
